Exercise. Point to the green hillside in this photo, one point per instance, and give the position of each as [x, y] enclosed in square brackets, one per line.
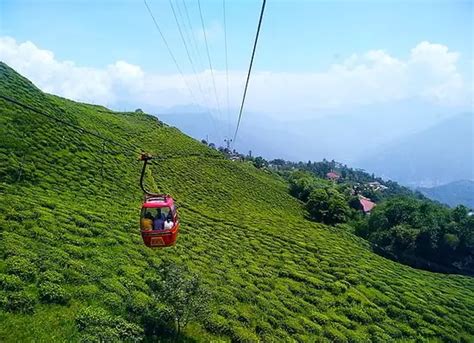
[71, 246]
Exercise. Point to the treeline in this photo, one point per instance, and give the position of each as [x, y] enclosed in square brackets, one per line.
[404, 227]
[356, 178]
[348, 175]
[422, 233]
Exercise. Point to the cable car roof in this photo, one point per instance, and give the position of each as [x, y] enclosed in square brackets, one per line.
[158, 202]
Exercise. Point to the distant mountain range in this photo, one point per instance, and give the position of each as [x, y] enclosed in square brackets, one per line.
[452, 194]
[347, 135]
[438, 155]
[416, 150]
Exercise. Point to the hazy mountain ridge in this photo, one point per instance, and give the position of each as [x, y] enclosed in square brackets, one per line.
[348, 135]
[438, 155]
[452, 194]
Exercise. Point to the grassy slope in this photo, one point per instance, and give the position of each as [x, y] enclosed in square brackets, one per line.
[274, 275]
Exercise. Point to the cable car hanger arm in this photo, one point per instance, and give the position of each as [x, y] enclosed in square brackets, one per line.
[145, 157]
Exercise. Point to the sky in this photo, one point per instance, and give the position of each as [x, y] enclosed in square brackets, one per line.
[314, 57]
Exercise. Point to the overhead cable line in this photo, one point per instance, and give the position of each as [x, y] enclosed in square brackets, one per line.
[194, 44]
[192, 34]
[209, 58]
[226, 67]
[250, 70]
[190, 59]
[65, 122]
[186, 48]
[189, 33]
[126, 149]
[169, 50]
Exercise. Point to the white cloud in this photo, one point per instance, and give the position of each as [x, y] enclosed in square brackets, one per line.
[430, 73]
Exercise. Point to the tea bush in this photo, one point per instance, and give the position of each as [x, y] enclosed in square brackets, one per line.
[95, 324]
[51, 292]
[22, 301]
[10, 282]
[21, 267]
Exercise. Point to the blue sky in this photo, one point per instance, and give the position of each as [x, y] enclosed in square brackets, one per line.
[297, 36]
[314, 58]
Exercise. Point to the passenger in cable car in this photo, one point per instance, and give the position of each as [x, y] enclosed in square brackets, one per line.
[147, 221]
[168, 225]
[159, 221]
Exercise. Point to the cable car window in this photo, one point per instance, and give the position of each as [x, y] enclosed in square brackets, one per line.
[154, 218]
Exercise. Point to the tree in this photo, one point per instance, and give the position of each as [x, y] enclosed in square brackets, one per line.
[301, 187]
[278, 162]
[403, 238]
[354, 203]
[460, 213]
[184, 295]
[327, 205]
[260, 162]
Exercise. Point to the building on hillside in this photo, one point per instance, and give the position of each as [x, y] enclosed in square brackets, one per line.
[366, 204]
[234, 157]
[333, 176]
[377, 186]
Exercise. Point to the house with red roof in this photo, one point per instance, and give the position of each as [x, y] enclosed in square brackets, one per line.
[366, 204]
[333, 176]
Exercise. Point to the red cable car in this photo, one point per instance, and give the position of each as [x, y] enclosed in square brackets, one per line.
[159, 221]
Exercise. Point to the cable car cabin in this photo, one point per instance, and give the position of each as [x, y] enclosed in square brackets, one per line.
[159, 222]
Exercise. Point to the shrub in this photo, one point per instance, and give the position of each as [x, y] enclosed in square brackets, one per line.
[263, 327]
[337, 288]
[92, 316]
[10, 282]
[87, 292]
[96, 324]
[22, 302]
[113, 301]
[21, 267]
[51, 276]
[358, 314]
[50, 292]
[139, 303]
[3, 300]
[377, 334]
[319, 318]
[217, 324]
[243, 335]
[292, 326]
[334, 334]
